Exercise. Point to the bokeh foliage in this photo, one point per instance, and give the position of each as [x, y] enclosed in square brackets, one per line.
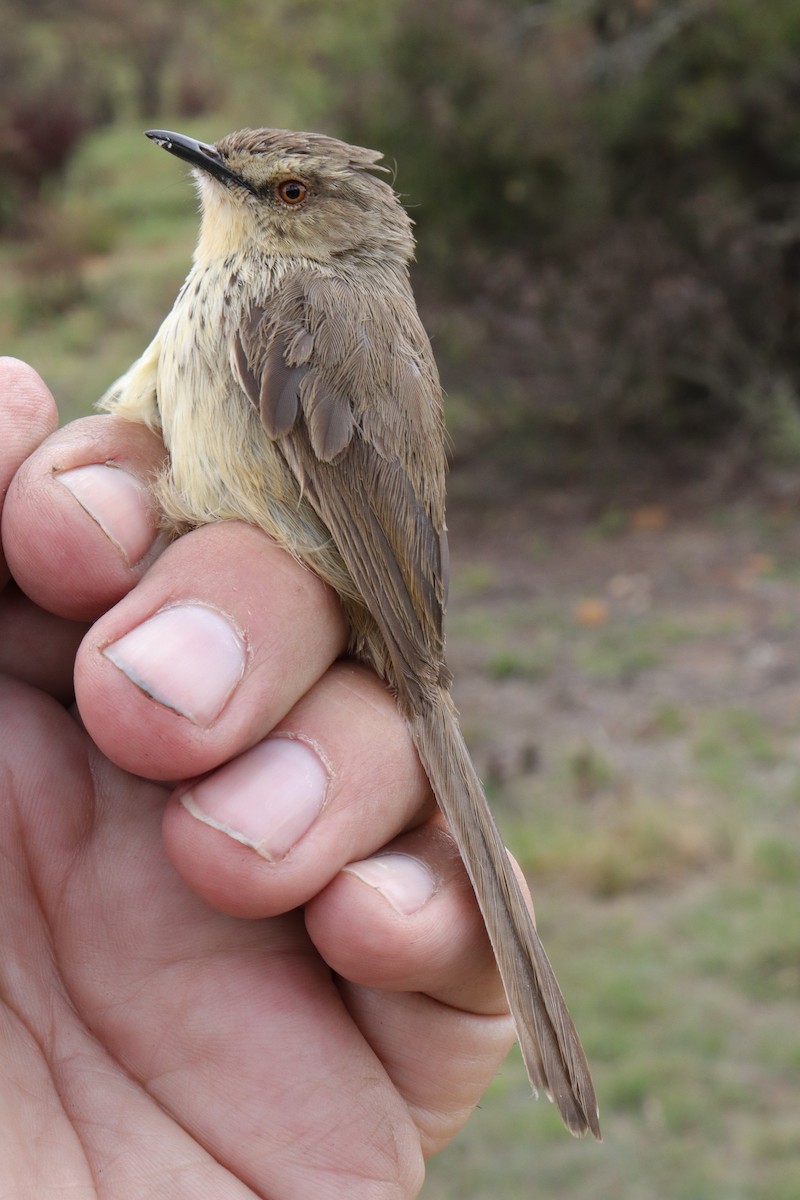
[616, 185]
[607, 192]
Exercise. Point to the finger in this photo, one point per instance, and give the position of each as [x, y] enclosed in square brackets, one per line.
[79, 528]
[404, 933]
[440, 1059]
[27, 414]
[406, 919]
[217, 642]
[337, 779]
[37, 647]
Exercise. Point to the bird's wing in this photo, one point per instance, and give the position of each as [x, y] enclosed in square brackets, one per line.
[346, 388]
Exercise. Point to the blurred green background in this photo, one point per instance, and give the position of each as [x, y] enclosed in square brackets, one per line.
[607, 201]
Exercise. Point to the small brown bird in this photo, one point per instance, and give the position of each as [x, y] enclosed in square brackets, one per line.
[295, 389]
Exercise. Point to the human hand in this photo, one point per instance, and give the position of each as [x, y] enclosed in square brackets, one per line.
[273, 981]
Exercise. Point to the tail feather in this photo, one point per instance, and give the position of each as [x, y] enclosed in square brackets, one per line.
[550, 1045]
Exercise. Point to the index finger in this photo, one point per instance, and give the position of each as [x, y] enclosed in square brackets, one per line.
[27, 415]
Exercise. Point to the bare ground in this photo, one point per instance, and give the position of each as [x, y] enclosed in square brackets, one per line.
[629, 682]
[571, 624]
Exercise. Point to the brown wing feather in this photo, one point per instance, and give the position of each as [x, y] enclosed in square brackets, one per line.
[328, 414]
[349, 497]
[279, 390]
[246, 377]
[317, 350]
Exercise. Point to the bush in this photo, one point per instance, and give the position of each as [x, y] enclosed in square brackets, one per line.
[615, 187]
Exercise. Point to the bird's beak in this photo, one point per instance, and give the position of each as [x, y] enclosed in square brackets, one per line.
[199, 154]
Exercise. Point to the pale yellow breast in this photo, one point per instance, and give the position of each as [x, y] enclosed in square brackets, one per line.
[223, 466]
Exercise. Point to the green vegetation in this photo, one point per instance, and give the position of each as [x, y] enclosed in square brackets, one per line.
[657, 815]
[604, 194]
[82, 299]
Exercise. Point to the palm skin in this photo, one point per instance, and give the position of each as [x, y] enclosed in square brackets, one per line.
[150, 1011]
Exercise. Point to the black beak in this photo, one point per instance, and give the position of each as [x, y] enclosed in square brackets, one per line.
[199, 154]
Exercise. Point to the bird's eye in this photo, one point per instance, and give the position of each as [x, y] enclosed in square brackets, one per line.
[292, 191]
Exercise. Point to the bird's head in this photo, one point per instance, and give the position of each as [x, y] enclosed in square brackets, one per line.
[272, 192]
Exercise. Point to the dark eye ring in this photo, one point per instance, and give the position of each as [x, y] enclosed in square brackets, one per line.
[292, 191]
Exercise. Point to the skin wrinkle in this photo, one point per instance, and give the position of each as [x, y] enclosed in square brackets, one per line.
[143, 1086]
[42, 1143]
[11, 786]
[148, 1083]
[388, 1134]
[354, 694]
[285, 1143]
[46, 1043]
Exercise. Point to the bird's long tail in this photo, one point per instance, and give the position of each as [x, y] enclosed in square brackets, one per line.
[550, 1045]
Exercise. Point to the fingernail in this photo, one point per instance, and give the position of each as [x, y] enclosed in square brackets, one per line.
[405, 881]
[117, 502]
[187, 657]
[268, 798]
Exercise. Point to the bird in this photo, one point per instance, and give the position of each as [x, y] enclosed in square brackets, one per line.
[295, 388]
